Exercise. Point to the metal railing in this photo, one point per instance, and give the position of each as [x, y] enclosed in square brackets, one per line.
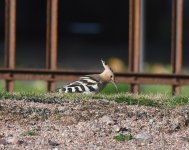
[51, 74]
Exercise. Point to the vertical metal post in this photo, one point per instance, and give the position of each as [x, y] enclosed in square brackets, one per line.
[142, 35]
[10, 39]
[51, 38]
[134, 39]
[177, 32]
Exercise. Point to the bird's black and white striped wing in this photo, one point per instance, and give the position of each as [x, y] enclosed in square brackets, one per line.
[86, 84]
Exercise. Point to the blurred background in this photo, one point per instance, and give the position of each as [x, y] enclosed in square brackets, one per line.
[91, 30]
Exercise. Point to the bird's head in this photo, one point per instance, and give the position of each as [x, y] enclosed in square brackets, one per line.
[107, 75]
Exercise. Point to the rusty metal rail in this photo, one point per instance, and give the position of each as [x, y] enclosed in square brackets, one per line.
[60, 75]
[51, 74]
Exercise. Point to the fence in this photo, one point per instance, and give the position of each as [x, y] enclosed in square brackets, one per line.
[51, 74]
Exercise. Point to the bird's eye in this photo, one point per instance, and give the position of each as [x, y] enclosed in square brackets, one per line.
[111, 76]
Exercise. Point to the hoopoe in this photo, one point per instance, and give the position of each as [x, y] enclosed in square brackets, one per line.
[90, 84]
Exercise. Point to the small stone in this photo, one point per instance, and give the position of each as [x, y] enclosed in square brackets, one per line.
[116, 128]
[108, 120]
[2, 135]
[124, 129]
[178, 123]
[12, 140]
[141, 115]
[151, 121]
[105, 101]
[186, 138]
[19, 142]
[53, 143]
[144, 136]
[3, 142]
[92, 146]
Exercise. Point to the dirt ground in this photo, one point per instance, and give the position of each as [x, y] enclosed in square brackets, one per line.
[89, 125]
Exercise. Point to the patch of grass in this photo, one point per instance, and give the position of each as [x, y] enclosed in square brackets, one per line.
[110, 89]
[40, 87]
[121, 137]
[184, 90]
[130, 99]
[30, 86]
[149, 88]
[176, 101]
[2, 84]
[152, 100]
[145, 89]
[32, 132]
[27, 86]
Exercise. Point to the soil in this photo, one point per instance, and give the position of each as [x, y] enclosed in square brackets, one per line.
[89, 125]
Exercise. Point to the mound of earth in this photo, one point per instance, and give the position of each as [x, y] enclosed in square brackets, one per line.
[92, 124]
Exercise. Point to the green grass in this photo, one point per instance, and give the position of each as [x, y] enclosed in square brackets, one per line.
[2, 85]
[40, 87]
[32, 132]
[122, 137]
[185, 90]
[146, 89]
[110, 89]
[30, 86]
[151, 95]
[152, 100]
[27, 86]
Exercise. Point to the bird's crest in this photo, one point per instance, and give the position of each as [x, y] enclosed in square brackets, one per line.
[106, 67]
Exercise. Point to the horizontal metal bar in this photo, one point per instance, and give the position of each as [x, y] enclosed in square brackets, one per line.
[60, 75]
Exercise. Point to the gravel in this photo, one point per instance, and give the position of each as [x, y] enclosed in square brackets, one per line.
[92, 124]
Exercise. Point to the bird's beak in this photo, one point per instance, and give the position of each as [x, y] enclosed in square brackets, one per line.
[113, 82]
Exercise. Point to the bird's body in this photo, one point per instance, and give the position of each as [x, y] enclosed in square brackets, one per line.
[90, 84]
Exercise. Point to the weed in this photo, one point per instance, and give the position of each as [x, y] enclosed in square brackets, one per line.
[32, 132]
[121, 137]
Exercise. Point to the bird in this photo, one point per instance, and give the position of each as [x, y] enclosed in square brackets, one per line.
[90, 84]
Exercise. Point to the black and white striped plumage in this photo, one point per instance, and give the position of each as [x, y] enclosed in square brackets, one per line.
[90, 84]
